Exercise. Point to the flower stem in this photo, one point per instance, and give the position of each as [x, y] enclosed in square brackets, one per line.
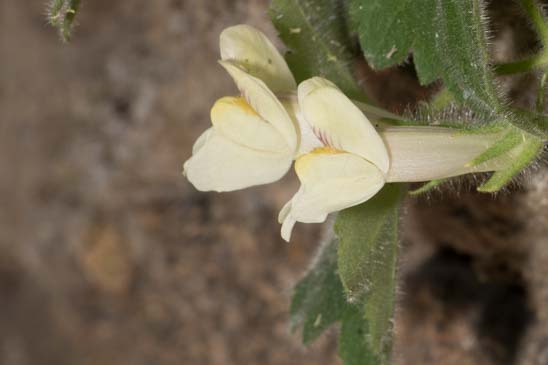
[541, 96]
[537, 61]
[537, 18]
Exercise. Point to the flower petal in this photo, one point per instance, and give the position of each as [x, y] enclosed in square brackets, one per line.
[331, 181]
[287, 227]
[236, 120]
[264, 102]
[287, 220]
[339, 123]
[307, 140]
[222, 165]
[254, 52]
[201, 141]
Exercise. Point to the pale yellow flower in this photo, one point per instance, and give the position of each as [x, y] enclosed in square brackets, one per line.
[342, 158]
[346, 160]
[348, 169]
[253, 138]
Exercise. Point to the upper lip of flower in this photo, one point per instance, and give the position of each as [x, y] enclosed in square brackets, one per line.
[252, 51]
[254, 129]
[338, 123]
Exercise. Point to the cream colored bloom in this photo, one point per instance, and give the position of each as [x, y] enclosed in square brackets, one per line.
[253, 138]
[345, 160]
[348, 164]
[341, 159]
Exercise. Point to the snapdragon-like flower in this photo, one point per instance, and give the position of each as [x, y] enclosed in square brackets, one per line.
[347, 166]
[253, 138]
[346, 161]
[341, 159]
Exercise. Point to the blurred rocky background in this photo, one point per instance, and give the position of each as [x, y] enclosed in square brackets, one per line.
[108, 256]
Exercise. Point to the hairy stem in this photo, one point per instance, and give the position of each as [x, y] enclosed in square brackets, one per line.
[61, 14]
[537, 18]
[537, 61]
[541, 96]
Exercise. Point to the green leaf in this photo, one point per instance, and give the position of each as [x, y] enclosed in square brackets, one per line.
[367, 259]
[527, 152]
[315, 31]
[353, 346]
[446, 37]
[368, 238]
[61, 14]
[318, 300]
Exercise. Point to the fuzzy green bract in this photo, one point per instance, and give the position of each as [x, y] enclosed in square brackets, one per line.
[352, 281]
[316, 35]
[367, 259]
[61, 14]
[527, 151]
[318, 300]
[354, 348]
